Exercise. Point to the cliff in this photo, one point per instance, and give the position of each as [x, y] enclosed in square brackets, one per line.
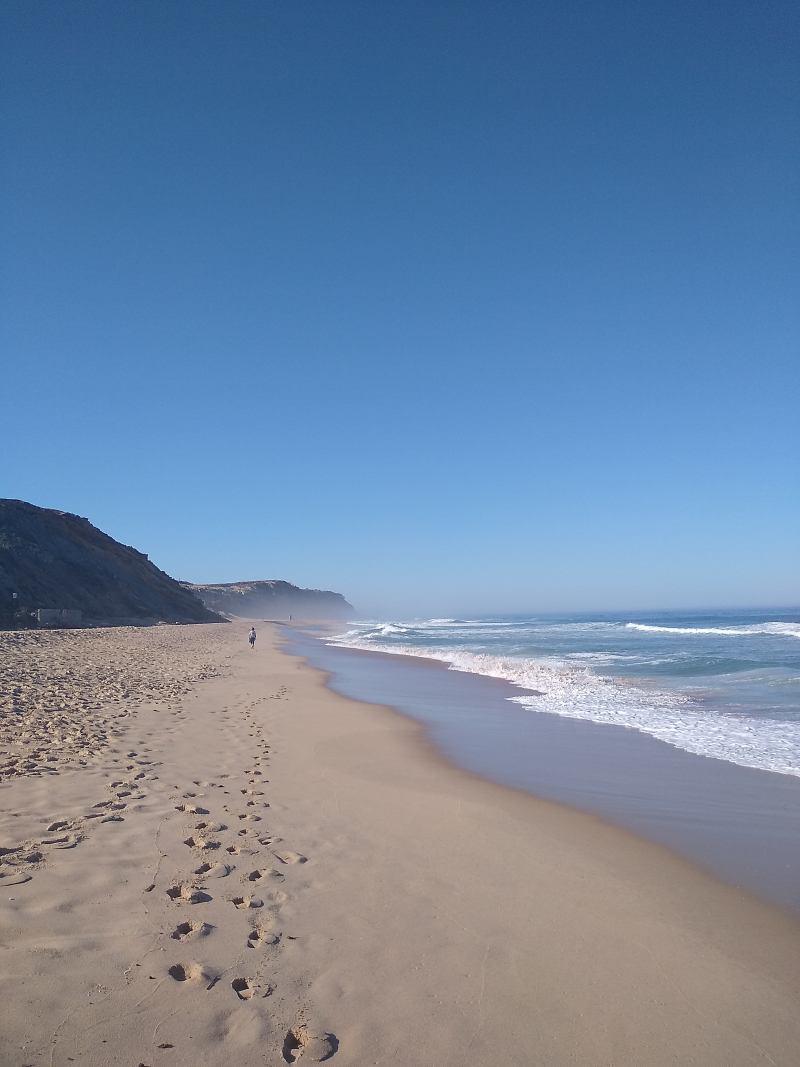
[273, 600]
[52, 559]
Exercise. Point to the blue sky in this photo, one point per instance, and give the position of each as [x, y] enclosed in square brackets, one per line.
[453, 307]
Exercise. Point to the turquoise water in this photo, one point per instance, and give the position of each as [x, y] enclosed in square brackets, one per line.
[723, 684]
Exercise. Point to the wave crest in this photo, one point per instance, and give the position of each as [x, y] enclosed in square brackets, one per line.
[576, 692]
[786, 629]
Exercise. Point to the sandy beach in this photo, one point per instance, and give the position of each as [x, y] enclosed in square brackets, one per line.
[208, 857]
[740, 824]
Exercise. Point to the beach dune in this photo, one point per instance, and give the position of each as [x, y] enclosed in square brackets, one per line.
[243, 867]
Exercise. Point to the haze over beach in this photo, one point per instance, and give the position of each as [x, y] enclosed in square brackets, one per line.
[399, 574]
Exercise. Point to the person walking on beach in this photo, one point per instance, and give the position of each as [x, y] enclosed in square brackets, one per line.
[252, 637]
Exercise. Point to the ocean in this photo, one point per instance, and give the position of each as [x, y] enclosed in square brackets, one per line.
[681, 727]
[723, 684]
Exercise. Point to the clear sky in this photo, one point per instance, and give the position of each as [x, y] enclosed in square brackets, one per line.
[451, 306]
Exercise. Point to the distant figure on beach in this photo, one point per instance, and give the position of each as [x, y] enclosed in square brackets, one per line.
[252, 637]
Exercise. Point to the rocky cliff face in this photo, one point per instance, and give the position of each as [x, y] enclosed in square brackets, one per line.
[273, 600]
[52, 559]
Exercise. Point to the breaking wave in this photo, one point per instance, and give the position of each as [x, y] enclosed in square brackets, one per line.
[572, 689]
[786, 629]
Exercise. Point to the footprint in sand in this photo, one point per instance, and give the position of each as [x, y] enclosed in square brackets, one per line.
[191, 809]
[14, 878]
[71, 842]
[191, 972]
[27, 857]
[258, 937]
[187, 894]
[242, 903]
[266, 873]
[289, 857]
[315, 1046]
[184, 930]
[214, 870]
[201, 843]
[242, 988]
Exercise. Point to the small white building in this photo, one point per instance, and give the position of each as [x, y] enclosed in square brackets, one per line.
[58, 616]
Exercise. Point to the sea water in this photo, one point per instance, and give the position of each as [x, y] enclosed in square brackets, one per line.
[684, 728]
[724, 684]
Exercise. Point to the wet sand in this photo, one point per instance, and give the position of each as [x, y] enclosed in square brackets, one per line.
[739, 823]
[257, 870]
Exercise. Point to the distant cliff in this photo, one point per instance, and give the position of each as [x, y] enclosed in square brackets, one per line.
[52, 559]
[273, 600]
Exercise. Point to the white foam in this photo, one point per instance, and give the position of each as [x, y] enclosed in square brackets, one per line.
[576, 692]
[601, 657]
[786, 629]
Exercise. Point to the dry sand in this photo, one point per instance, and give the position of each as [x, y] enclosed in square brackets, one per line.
[217, 860]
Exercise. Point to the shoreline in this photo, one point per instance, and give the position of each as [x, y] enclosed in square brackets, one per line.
[381, 906]
[622, 863]
[727, 692]
[741, 824]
